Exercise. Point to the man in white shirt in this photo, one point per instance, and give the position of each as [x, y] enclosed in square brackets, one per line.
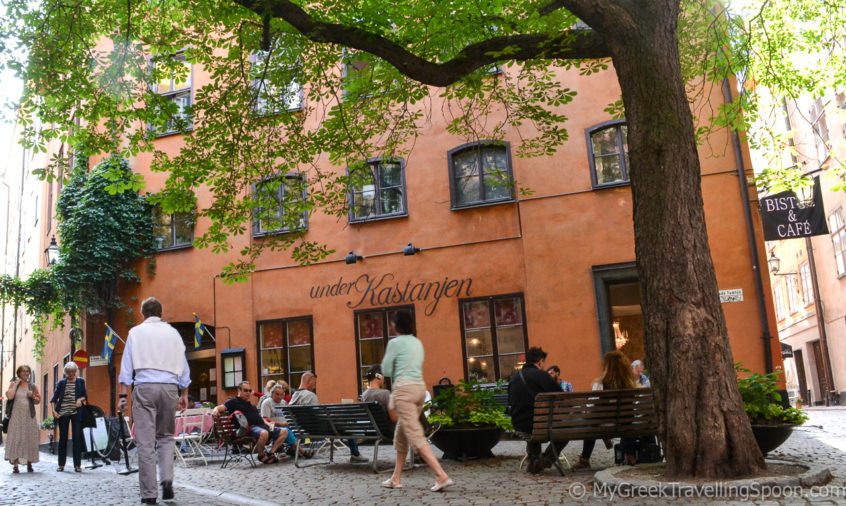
[154, 364]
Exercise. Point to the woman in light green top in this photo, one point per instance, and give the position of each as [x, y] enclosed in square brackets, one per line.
[403, 362]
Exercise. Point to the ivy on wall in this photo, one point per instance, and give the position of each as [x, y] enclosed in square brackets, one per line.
[104, 228]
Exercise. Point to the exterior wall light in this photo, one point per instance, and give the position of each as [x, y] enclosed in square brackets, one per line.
[410, 250]
[52, 252]
[352, 258]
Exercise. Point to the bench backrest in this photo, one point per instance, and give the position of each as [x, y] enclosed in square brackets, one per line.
[561, 416]
[224, 427]
[360, 420]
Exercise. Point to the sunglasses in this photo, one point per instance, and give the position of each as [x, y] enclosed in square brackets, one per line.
[247, 391]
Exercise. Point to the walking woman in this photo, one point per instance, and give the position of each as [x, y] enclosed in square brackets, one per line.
[69, 396]
[22, 440]
[403, 362]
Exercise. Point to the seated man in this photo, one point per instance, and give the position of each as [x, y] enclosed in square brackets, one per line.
[522, 389]
[305, 396]
[269, 410]
[258, 428]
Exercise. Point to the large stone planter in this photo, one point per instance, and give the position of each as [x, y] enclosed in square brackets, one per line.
[466, 442]
[770, 437]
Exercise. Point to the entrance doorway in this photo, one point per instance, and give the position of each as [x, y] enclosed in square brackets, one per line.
[799, 361]
[619, 310]
[203, 364]
[822, 377]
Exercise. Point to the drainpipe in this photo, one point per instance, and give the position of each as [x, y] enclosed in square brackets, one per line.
[18, 264]
[829, 386]
[766, 337]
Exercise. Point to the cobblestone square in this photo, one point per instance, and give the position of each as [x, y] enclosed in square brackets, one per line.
[496, 481]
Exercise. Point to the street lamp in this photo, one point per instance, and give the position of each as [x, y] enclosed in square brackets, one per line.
[775, 262]
[805, 196]
[52, 252]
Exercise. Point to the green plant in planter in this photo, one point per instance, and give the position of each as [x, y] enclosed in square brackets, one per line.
[468, 404]
[762, 400]
[48, 423]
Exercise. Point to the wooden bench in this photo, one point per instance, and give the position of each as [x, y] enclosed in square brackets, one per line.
[331, 422]
[560, 417]
[236, 448]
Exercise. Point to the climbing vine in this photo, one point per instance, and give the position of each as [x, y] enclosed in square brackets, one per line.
[104, 228]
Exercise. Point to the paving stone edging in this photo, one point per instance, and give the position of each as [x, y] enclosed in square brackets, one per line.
[222, 495]
[815, 475]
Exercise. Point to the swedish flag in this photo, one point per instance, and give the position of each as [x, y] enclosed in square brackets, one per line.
[199, 330]
[109, 344]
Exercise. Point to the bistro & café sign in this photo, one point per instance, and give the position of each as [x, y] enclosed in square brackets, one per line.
[386, 290]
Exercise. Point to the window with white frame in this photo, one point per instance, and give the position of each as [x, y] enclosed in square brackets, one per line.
[820, 130]
[609, 157]
[807, 286]
[280, 205]
[276, 83]
[778, 295]
[173, 84]
[792, 293]
[377, 190]
[838, 238]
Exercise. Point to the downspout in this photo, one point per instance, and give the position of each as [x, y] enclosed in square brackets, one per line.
[766, 337]
[18, 265]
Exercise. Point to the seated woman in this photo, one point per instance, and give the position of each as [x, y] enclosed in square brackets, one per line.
[616, 375]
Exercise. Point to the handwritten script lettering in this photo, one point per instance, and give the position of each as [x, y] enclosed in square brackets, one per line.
[385, 290]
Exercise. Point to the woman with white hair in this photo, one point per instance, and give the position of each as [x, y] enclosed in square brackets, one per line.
[69, 396]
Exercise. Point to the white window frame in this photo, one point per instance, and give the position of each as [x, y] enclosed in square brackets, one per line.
[838, 240]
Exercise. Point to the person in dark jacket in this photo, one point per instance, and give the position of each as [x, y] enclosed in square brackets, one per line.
[67, 399]
[522, 389]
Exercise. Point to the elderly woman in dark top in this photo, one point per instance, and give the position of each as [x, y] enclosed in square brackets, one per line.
[69, 396]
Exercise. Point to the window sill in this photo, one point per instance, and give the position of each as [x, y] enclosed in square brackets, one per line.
[270, 114]
[171, 134]
[282, 231]
[361, 221]
[175, 248]
[612, 185]
[474, 205]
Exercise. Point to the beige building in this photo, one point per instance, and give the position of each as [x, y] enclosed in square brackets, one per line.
[809, 275]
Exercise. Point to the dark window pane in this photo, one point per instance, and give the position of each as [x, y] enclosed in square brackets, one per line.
[476, 315]
[479, 342]
[272, 362]
[481, 369]
[497, 185]
[605, 142]
[364, 203]
[300, 358]
[270, 335]
[391, 200]
[372, 351]
[370, 325]
[508, 364]
[390, 174]
[508, 311]
[466, 163]
[608, 169]
[183, 224]
[299, 332]
[468, 190]
[391, 314]
[510, 339]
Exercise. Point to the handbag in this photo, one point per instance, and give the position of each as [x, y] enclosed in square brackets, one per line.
[10, 404]
[87, 418]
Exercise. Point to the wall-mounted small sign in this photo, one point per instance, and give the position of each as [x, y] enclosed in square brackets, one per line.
[97, 360]
[733, 295]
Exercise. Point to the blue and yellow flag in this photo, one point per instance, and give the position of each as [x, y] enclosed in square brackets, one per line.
[109, 344]
[199, 330]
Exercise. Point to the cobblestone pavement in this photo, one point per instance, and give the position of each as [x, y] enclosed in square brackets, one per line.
[495, 481]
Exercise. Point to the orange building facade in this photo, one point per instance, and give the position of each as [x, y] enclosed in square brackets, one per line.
[487, 271]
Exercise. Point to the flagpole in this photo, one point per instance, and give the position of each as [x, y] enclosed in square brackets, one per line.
[204, 327]
[115, 333]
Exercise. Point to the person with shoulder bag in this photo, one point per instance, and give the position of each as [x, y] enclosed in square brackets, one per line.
[67, 401]
[22, 439]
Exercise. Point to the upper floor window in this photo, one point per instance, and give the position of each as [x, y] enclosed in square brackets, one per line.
[173, 84]
[838, 238]
[609, 157]
[281, 205]
[276, 84]
[377, 190]
[480, 173]
[172, 230]
[792, 293]
[778, 295]
[807, 287]
[820, 129]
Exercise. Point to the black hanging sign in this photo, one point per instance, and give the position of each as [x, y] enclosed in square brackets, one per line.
[784, 217]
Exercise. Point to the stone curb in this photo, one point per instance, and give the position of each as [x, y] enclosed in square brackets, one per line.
[224, 496]
[607, 479]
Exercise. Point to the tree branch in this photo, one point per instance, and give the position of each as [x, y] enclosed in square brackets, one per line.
[565, 45]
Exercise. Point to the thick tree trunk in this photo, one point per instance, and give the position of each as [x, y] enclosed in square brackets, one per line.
[703, 425]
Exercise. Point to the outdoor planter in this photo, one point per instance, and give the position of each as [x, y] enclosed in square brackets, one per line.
[467, 442]
[770, 437]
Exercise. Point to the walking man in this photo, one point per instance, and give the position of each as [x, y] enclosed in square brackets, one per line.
[154, 364]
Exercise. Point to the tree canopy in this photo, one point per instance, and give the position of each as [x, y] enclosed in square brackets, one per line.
[105, 77]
